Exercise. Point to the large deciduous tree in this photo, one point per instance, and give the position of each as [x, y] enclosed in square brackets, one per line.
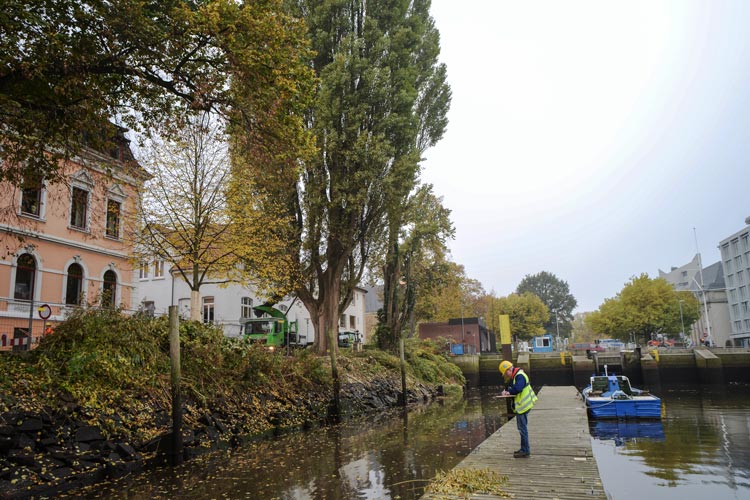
[582, 332]
[189, 218]
[527, 314]
[454, 295]
[555, 293]
[411, 261]
[68, 66]
[644, 307]
[381, 102]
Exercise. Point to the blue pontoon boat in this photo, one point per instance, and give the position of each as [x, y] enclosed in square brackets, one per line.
[611, 396]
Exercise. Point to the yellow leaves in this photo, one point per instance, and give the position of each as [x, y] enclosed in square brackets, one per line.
[465, 482]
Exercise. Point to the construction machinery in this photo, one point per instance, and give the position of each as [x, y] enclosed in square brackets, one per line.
[271, 328]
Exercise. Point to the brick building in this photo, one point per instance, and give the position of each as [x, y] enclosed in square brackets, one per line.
[471, 333]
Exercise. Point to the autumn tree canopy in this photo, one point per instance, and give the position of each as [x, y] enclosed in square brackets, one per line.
[644, 308]
[555, 293]
[527, 313]
[68, 66]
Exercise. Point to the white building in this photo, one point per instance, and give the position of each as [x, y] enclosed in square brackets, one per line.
[230, 305]
[735, 255]
[711, 283]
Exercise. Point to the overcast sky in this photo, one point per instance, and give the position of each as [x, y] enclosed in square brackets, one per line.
[588, 139]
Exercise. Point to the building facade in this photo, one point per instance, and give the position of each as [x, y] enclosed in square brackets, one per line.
[231, 305]
[709, 288]
[735, 255]
[470, 333]
[68, 243]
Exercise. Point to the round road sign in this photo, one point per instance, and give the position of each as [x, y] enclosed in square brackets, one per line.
[45, 311]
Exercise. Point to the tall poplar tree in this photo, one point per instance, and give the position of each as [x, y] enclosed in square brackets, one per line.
[416, 243]
[381, 101]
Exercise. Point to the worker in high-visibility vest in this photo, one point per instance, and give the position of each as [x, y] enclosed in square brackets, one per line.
[518, 384]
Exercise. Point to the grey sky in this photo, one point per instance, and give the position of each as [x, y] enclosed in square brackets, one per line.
[587, 139]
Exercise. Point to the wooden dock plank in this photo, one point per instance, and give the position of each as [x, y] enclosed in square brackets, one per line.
[561, 465]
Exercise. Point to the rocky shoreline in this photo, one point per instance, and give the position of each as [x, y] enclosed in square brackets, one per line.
[45, 453]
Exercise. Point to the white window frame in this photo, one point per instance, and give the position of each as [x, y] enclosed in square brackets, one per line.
[116, 195]
[143, 270]
[246, 307]
[208, 310]
[118, 284]
[118, 223]
[81, 180]
[42, 203]
[158, 269]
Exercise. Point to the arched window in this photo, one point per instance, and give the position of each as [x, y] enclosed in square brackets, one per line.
[25, 274]
[74, 286]
[109, 290]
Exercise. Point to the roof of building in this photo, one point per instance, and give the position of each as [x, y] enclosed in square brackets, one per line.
[713, 277]
[374, 298]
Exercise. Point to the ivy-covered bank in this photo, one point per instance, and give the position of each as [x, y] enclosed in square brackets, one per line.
[93, 400]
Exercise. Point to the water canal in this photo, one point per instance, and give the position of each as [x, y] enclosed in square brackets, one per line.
[700, 450]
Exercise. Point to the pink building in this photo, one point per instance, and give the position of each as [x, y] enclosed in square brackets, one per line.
[68, 244]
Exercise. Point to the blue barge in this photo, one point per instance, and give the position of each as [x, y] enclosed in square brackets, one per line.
[611, 396]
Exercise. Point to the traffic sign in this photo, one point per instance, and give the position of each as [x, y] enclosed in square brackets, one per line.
[45, 311]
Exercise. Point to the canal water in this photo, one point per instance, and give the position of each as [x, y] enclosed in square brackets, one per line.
[701, 449]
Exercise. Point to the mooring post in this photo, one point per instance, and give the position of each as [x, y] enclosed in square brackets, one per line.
[174, 355]
[403, 371]
[505, 342]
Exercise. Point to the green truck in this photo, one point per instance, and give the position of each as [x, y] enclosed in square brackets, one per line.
[272, 329]
[347, 338]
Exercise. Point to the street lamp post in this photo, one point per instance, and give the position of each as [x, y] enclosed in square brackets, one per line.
[703, 291]
[557, 326]
[705, 310]
[681, 320]
[463, 331]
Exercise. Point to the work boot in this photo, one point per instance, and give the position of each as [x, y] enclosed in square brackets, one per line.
[520, 454]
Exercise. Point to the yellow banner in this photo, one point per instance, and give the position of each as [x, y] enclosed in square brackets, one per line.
[504, 329]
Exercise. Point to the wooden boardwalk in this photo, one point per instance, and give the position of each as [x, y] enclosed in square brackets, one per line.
[561, 465]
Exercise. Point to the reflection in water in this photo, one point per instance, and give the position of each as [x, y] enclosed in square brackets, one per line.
[624, 431]
[700, 449]
[704, 451]
[391, 456]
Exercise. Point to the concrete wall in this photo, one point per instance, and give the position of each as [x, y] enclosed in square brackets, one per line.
[648, 369]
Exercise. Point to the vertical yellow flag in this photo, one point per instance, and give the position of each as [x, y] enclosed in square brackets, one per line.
[504, 329]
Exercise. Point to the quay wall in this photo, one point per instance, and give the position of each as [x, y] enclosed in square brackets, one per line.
[644, 367]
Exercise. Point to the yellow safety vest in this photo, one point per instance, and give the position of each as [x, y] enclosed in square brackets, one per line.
[525, 399]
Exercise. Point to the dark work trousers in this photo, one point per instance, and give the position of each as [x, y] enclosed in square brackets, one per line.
[522, 422]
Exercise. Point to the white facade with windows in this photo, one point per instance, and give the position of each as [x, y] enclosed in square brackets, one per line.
[230, 305]
[709, 281]
[735, 256]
